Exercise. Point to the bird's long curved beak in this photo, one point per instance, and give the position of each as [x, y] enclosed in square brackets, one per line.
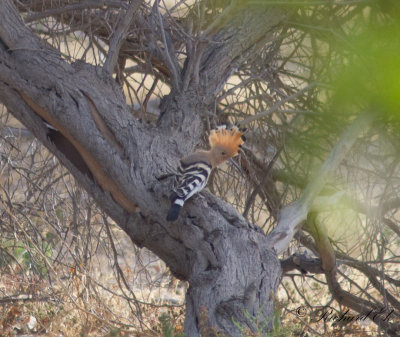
[235, 165]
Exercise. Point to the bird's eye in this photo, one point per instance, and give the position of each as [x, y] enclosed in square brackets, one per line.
[223, 153]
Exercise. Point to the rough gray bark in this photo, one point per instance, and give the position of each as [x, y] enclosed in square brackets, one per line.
[228, 262]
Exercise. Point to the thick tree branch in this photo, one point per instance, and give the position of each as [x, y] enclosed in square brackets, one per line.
[343, 297]
[119, 35]
[235, 39]
[168, 52]
[74, 7]
[292, 216]
[324, 248]
[302, 263]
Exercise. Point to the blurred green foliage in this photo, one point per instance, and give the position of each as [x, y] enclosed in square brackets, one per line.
[355, 65]
[370, 78]
[26, 255]
[167, 324]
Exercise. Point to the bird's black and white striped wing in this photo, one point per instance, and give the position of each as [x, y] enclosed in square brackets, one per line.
[192, 178]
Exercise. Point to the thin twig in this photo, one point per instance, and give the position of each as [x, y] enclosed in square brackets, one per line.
[276, 106]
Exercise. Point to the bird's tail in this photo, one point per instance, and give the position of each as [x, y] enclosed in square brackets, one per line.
[173, 212]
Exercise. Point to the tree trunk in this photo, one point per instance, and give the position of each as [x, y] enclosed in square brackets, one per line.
[230, 267]
[243, 287]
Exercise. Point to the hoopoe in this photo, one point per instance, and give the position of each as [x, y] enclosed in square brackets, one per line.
[194, 170]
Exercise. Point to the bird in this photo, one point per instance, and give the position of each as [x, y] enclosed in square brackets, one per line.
[194, 170]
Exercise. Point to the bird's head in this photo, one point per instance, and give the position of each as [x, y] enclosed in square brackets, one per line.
[225, 143]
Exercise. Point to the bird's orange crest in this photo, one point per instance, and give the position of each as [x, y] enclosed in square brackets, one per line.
[231, 139]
